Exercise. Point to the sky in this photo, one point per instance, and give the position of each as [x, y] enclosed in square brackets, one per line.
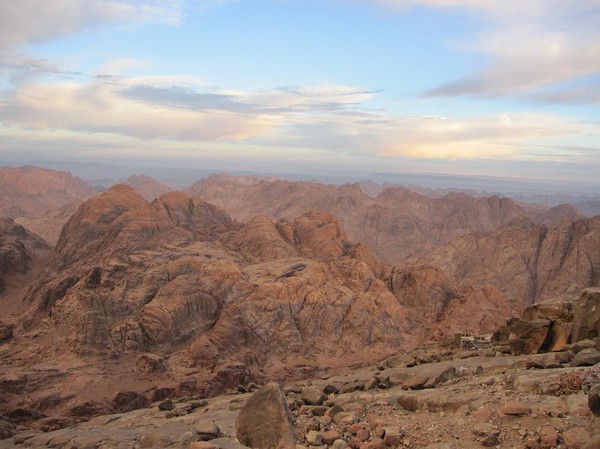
[486, 87]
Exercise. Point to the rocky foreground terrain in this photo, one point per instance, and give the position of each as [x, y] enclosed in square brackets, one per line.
[456, 397]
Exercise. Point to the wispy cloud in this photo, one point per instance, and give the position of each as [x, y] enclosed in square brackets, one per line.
[529, 46]
[321, 118]
[29, 21]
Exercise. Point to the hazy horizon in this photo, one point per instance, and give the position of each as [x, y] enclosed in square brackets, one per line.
[331, 87]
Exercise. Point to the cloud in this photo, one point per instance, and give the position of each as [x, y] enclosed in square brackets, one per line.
[587, 94]
[530, 45]
[176, 110]
[29, 21]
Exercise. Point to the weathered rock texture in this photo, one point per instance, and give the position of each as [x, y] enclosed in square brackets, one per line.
[586, 315]
[37, 198]
[21, 255]
[265, 422]
[528, 263]
[179, 278]
[395, 223]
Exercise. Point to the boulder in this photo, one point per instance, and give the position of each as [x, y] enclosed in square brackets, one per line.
[527, 337]
[548, 437]
[586, 315]
[126, 401]
[575, 438]
[330, 436]
[265, 421]
[313, 396]
[586, 357]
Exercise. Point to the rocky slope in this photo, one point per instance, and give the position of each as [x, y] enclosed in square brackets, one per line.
[30, 191]
[41, 200]
[527, 262]
[429, 399]
[176, 288]
[397, 222]
[21, 254]
[149, 188]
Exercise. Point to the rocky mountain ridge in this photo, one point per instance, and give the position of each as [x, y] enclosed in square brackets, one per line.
[396, 223]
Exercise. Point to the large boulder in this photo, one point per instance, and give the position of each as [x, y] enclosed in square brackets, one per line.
[265, 422]
[586, 315]
[559, 312]
[527, 337]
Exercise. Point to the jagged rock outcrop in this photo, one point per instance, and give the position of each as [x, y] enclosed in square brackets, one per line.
[394, 224]
[180, 279]
[529, 263]
[22, 254]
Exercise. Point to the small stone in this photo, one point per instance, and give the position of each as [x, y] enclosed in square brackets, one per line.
[313, 396]
[485, 429]
[548, 437]
[346, 418]
[363, 434]
[207, 431]
[203, 445]
[339, 444]
[490, 440]
[375, 443]
[515, 408]
[575, 438]
[330, 436]
[314, 438]
[331, 388]
[331, 412]
[392, 437]
[166, 405]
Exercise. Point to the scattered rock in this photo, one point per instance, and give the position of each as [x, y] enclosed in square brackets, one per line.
[166, 405]
[490, 440]
[586, 357]
[575, 438]
[330, 436]
[548, 437]
[346, 418]
[314, 438]
[515, 408]
[207, 431]
[485, 429]
[375, 443]
[392, 437]
[313, 396]
[126, 401]
[265, 421]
